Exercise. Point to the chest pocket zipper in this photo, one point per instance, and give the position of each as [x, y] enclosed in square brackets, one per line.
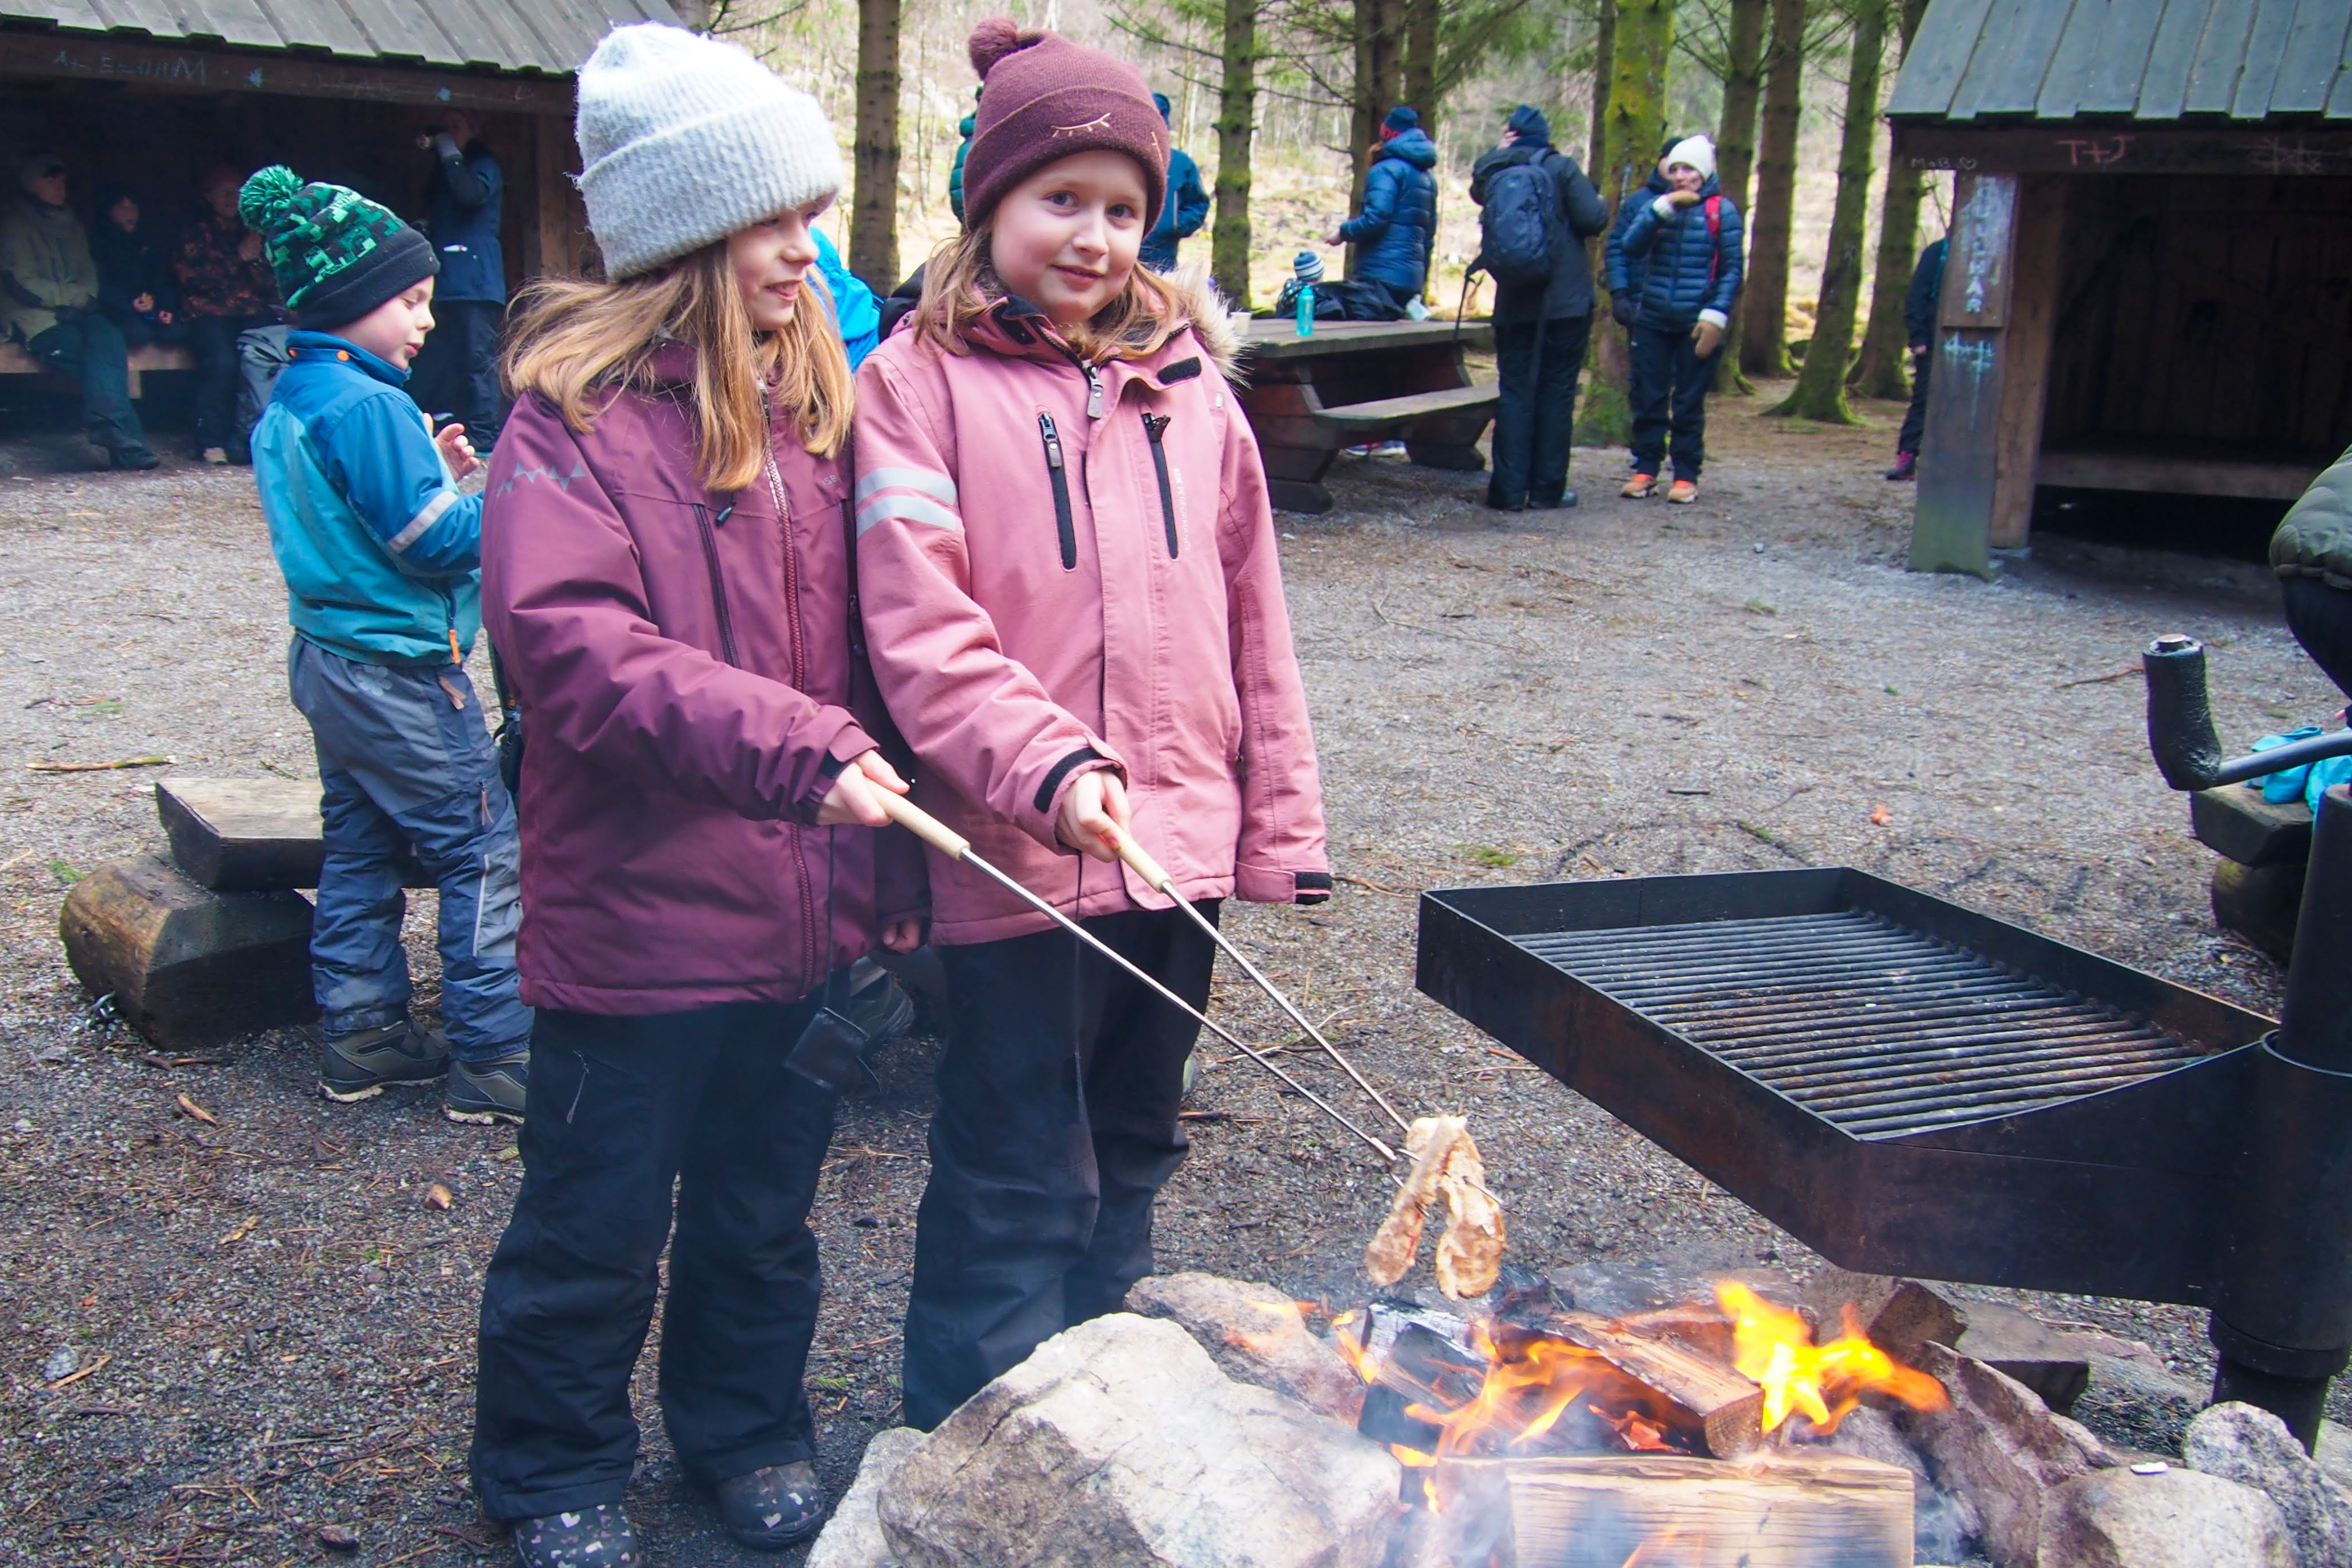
[1058, 474]
[1154, 426]
[709, 530]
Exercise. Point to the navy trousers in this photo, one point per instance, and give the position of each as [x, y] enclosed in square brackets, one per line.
[406, 762]
[1059, 1087]
[457, 371]
[1537, 412]
[1668, 387]
[90, 349]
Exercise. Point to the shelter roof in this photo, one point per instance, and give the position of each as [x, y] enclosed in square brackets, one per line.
[2143, 60]
[552, 37]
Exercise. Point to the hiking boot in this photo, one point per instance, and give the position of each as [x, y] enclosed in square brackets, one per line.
[484, 1092]
[1906, 467]
[595, 1537]
[1641, 487]
[357, 1066]
[1559, 503]
[137, 454]
[773, 1508]
[215, 456]
[1682, 492]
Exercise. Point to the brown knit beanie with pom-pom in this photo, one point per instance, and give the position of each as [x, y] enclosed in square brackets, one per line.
[1043, 97]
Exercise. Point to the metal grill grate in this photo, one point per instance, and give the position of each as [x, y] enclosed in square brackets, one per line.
[1867, 1023]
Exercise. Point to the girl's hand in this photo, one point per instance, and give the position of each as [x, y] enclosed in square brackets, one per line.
[903, 936]
[1094, 815]
[455, 450]
[855, 800]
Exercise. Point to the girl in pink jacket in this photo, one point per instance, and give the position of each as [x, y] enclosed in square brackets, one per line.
[1071, 593]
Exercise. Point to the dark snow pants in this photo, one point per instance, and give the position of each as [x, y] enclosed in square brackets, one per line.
[1059, 1089]
[1537, 364]
[1667, 385]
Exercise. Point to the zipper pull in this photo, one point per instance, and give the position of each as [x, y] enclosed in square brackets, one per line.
[1094, 393]
[454, 657]
[718, 518]
[1154, 425]
[1052, 440]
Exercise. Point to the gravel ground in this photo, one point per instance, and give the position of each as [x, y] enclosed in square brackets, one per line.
[275, 1328]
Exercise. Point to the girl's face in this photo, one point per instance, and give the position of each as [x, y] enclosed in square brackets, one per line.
[1064, 239]
[394, 329]
[770, 259]
[124, 215]
[1684, 177]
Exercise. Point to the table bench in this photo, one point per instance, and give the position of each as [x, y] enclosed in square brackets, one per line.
[1356, 381]
[15, 360]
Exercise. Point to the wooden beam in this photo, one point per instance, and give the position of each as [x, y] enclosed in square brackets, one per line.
[169, 68]
[2179, 476]
[2035, 268]
[187, 966]
[2122, 148]
[250, 835]
[559, 217]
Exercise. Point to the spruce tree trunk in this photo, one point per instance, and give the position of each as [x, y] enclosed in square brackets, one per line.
[1229, 240]
[1378, 85]
[874, 211]
[1764, 323]
[1735, 143]
[1596, 143]
[1643, 40]
[1881, 370]
[1418, 79]
[1820, 385]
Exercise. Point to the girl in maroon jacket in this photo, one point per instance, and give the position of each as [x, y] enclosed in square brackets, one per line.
[1072, 594]
[665, 575]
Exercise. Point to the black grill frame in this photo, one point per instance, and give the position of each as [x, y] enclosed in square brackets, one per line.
[2107, 1180]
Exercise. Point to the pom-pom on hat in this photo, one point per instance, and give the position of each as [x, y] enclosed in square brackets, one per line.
[685, 140]
[1043, 97]
[335, 254]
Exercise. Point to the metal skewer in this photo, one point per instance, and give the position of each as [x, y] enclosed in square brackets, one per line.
[956, 847]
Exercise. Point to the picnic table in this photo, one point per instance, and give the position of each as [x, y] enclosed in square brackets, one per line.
[1357, 382]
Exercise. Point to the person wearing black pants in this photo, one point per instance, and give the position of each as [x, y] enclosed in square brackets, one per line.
[1059, 1089]
[456, 371]
[1919, 331]
[1668, 380]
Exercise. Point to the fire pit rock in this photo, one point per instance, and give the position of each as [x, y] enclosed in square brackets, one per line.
[1254, 1334]
[853, 1536]
[2240, 1443]
[1999, 1446]
[1118, 1444]
[2176, 1518]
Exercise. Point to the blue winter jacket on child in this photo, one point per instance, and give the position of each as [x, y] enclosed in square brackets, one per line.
[1400, 217]
[1690, 269]
[381, 553]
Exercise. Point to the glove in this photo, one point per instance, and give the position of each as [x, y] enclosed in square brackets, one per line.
[1625, 308]
[1709, 337]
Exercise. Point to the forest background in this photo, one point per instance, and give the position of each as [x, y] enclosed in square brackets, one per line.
[1277, 100]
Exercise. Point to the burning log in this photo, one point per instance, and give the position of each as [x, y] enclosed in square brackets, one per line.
[1726, 1407]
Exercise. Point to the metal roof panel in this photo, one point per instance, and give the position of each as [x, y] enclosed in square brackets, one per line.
[2221, 56]
[2006, 72]
[2314, 54]
[2119, 60]
[1940, 56]
[550, 36]
[2272, 22]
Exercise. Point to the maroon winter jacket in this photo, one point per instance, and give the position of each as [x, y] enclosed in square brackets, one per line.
[682, 660]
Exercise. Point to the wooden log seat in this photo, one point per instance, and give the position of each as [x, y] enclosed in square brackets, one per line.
[249, 834]
[187, 966]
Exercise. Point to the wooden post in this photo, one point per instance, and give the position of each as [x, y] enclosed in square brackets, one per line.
[561, 217]
[1993, 322]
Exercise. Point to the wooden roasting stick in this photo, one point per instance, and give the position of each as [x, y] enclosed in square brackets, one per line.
[956, 847]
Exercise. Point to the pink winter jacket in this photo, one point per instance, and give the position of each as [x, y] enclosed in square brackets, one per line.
[1064, 570]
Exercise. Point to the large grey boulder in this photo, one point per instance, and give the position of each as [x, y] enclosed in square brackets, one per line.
[1254, 1334]
[1944, 1525]
[2176, 1518]
[853, 1536]
[2251, 1447]
[1118, 1444]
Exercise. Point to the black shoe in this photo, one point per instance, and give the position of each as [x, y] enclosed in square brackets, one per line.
[484, 1092]
[1499, 503]
[596, 1537]
[357, 1066]
[137, 455]
[1561, 502]
[775, 1507]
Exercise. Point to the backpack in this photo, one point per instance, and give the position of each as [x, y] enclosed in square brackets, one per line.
[1522, 233]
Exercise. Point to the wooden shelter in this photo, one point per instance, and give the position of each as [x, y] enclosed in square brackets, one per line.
[2149, 286]
[149, 93]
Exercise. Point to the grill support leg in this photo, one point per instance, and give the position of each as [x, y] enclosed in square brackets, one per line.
[2283, 1320]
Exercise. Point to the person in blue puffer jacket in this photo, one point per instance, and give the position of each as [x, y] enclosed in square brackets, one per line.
[1399, 221]
[1689, 242]
[382, 562]
[1184, 211]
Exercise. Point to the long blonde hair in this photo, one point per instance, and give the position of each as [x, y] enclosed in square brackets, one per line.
[576, 339]
[961, 284]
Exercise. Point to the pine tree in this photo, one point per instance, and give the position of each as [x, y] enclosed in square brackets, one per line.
[874, 210]
[1764, 339]
[1879, 369]
[1641, 40]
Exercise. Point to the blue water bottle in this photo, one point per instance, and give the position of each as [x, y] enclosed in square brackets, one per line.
[1307, 311]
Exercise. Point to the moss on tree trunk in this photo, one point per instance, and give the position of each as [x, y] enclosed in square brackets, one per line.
[1820, 385]
[1228, 241]
[874, 211]
[1881, 369]
[1764, 337]
[1641, 41]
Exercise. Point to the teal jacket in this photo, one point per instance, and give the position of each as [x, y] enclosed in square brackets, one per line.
[382, 555]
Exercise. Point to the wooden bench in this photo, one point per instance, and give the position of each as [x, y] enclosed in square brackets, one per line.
[2265, 846]
[1356, 381]
[16, 361]
[249, 834]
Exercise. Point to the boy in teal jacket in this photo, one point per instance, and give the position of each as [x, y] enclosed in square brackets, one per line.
[382, 557]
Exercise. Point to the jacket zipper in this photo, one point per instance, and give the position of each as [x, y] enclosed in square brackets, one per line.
[718, 583]
[1154, 426]
[811, 951]
[1063, 524]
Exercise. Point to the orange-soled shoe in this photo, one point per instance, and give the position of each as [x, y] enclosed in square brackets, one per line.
[1641, 487]
[1683, 491]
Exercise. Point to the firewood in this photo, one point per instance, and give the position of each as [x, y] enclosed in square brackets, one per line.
[187, 967]
[1777, 1509]
[1729, 1407]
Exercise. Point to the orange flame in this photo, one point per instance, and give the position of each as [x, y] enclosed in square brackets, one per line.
[1820, 1383]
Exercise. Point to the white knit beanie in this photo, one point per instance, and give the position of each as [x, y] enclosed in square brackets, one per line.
[1696, 150]
[686, 140]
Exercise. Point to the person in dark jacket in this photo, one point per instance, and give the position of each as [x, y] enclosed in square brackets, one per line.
[226, 292]
[48, 298]
[1919, 331]
[1399, 221]
[1689, 243]
[134, 277]
[2312, 554]
[1623, 273]
[457, 374]
[1184, 211]
[1541, 330]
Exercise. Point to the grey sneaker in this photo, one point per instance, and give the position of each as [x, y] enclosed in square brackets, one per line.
[488, 1091]
[357, 1066]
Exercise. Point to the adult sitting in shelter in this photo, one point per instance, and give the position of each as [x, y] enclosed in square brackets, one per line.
[134, 277]
[1398, 224]
[49, 302]
[225, 289]
[1185, 209]
[457, 373]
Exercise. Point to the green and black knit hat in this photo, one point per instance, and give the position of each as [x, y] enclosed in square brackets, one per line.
[336, 254]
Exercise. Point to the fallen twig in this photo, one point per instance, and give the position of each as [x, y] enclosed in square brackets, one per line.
[157, 1059]
[1368, 885]
[98, 767]
[189, 1108]
[74, 1377]
[2099, 679]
